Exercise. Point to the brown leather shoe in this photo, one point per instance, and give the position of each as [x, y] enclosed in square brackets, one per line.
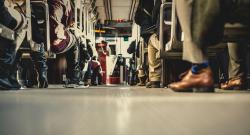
[237, 83]
[201, 82]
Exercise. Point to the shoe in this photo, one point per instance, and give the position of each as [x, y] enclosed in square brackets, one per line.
[201, 82]
[153, 84]
[94, 84]
[42, 78]
[237, 83]
[140, 84]
[71, 85]
[6, 84]
[142, 81]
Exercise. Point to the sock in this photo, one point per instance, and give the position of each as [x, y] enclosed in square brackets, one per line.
[197, 67]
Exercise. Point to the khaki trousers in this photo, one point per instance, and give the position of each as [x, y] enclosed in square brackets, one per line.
[154, 59]
[237, 60]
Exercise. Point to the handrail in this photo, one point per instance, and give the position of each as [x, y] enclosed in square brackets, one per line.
[28, 17]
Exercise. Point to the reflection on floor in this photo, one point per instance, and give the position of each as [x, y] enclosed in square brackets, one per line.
[120, 110]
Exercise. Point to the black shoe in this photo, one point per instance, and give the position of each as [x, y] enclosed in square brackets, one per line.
[6, 84]
[153, 84]
[42, 79]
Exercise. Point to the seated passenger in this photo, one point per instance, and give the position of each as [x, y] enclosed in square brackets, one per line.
[62, 38]
[96, 70]
[152, 38]
[144, 18]
[15, 22]
[203, 27]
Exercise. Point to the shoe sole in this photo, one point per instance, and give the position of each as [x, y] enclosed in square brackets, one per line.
[198, 90]
[237, 88]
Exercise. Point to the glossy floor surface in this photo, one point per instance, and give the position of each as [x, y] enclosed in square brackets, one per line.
[123, 111]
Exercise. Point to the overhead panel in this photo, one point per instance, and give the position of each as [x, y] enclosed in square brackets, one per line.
[121, 9]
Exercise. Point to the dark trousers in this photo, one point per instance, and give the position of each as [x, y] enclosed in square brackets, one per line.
[39, 60]
[73, 68]
[8, 50]
[96, 74]
[7, 66]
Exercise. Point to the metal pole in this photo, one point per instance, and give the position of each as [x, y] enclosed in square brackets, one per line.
[81, 15]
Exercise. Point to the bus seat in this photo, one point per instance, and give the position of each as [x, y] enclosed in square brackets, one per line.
[236, 32]
[41, 11]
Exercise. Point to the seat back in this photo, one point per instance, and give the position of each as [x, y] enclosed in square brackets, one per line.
[174, 44]
[41, 11]
[236, 33]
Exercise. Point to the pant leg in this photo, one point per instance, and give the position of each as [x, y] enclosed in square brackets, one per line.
[73, 68]
[7, 60]
[39, 60]
[94, 76]
[38, 54]
[237, 60]
[154, 59]
[202, 24]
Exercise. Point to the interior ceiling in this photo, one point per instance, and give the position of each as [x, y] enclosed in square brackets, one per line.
[115, 9]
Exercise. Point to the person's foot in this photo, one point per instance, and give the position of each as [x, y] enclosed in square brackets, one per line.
[6, 84]
[141, 84]
[71, 85]
[43, 83]
[237, 83]
[200, 82]
[142, 81]
[153, 84]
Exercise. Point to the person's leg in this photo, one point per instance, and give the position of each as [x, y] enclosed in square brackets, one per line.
[38, 54]
[7, 70]
[199, 30]
[39, 60]
[73, 69]
[202, 24]
[237, 56]
[16, 22]
[94, 76]
[237, 66]
[154, 62]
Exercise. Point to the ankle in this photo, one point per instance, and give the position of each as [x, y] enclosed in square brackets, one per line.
[196, 68]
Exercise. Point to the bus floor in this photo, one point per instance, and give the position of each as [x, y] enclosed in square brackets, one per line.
[121, 110]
